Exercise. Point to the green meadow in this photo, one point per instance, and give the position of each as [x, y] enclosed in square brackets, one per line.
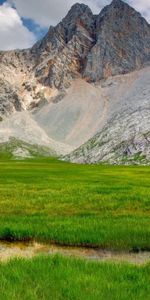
[58, 278]
[96, 205]
[93, 205]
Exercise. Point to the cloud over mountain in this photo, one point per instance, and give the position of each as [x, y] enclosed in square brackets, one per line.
[13, 34]
[51, 12]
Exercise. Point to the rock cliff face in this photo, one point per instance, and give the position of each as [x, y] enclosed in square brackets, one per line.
[68, 87]
[65, 47]
[116, 41]
[9, 99]
[122, 42]
[42, 72]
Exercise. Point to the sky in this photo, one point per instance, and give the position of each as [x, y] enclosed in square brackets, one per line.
[23, 22]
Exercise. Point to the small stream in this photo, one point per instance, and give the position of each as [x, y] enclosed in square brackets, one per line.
[32, 249]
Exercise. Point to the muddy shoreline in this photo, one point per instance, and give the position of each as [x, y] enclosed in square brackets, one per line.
[10, 250]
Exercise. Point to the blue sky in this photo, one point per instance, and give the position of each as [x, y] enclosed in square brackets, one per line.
[23, 22]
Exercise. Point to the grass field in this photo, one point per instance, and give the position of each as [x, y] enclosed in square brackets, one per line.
[58, 278]
[49, 200]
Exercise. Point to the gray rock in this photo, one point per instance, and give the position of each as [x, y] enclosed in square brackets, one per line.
[122, 42]
[116, 41]
[10, 102]
[124, 136]
[124, 140]
[92, 50]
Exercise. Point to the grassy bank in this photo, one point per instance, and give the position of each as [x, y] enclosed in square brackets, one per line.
[48, 200]
[70, 279]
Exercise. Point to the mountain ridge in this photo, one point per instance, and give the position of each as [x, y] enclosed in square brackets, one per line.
[67, 81]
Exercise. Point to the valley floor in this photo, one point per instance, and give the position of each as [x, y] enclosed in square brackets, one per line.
[47, 200]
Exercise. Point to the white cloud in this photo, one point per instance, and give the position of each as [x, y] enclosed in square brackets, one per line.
[13, 34]
[50, 12]
[45, 12]
[142, 6]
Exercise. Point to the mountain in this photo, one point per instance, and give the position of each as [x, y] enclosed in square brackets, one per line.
[87, 77]
[125, 137]
[122, 42]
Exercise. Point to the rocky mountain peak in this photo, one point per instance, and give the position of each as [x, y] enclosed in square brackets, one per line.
[78, 9]
[116, 41]
[65, 47]
[118, 2]
[116, 10]
[79, 15]
[122, 42]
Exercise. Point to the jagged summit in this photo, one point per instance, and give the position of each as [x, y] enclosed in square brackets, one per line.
[78, 9]
[121, 6]
[116, 41]
[118, 2]
[79, 15]
[122, 42]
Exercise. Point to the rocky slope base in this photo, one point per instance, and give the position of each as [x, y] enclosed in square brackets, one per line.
[124, 140]
[17, 149]
[22, 126]
[125, 135]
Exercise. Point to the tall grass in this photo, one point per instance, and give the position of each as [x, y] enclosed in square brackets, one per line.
[47, 200]
[57, 278]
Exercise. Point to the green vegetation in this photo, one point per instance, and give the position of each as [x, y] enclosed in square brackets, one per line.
[49, 200]
[57, 278]
[137, 158]
[15, 148]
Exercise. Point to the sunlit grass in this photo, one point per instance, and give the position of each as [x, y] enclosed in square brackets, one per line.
[47, 200]
[60, 278]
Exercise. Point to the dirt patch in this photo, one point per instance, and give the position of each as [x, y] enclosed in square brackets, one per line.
[31, 249]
